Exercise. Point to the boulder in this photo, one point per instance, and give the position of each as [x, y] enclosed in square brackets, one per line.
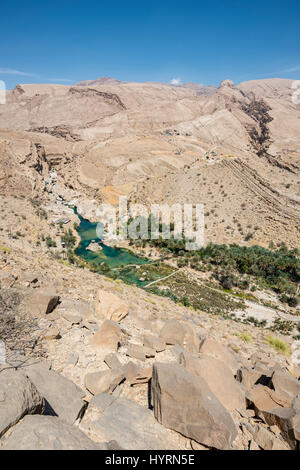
[284, 419]
[143, 376]
[267, 440]
[63, 397]
[110, 306]
[52, 333]
[173, 332]
[112, 361]
[42, 301]
[294, 370]
[149, 352]
[154, 342]
[253, 445]
[212, 348]
[72, 318]
[18, 396]
[76, 307]
[250, 377]
[104, 380]
[136, 351]
[47, 433]
[131, 371]
[263, 399]
[131, 425]
[29, 278]
[183, 402]
[296, 426]
[274, 410]
[262, 359]
[108, 336]
[218, 377]
[191, 340]
[101, 401]
[285, 384]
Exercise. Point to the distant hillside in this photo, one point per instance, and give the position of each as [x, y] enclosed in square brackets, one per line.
[236, 149]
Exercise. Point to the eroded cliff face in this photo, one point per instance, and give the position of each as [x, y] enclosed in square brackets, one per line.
[155, 142]
[260, 139]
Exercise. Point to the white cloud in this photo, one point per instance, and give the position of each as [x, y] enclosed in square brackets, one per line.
[176, 81]
[7, 71]
[292, 69]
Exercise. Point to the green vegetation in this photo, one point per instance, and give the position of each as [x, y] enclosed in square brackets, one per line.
[5, 249]
[49, 242]
[285, 327]
[235, 266]
[290, 300]
[69, 239]
[41, 213]
[238, 270]
[245, 337]
[278, 344]
[278, 270]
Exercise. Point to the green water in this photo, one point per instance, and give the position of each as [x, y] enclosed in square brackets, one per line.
[112, 256]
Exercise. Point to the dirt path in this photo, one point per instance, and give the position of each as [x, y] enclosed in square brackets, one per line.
[260, 312]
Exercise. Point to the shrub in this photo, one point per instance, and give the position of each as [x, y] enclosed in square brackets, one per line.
[5, 249]
[248, 236]
[246, 337]
[278, 344]
[68, 239]
[49, 242]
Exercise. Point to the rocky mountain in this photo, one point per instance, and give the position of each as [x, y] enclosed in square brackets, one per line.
[99, 81]
[231, 147]
[200, 89]
[176, 349]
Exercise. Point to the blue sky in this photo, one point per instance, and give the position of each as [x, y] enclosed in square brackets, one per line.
[194, 41]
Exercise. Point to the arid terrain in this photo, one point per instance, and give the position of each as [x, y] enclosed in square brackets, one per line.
[233, 148]
[92, 362]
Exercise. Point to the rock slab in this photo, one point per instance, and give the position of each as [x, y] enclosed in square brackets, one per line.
[184, 402]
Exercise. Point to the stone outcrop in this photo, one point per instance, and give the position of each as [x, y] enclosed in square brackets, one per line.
[104, 380]
[63, 398]
[218, 377]
[42, 301]
[184, 402]
[172, 332]
[253, 376]
[212, 348]
[108, 336]
[18, 396]
[285, 385]
[154, 342]
[110, 306]
[47, 433]
[274, 409]
[133, 426]
[267, 440]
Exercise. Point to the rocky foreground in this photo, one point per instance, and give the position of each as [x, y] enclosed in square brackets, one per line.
[96, 364]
